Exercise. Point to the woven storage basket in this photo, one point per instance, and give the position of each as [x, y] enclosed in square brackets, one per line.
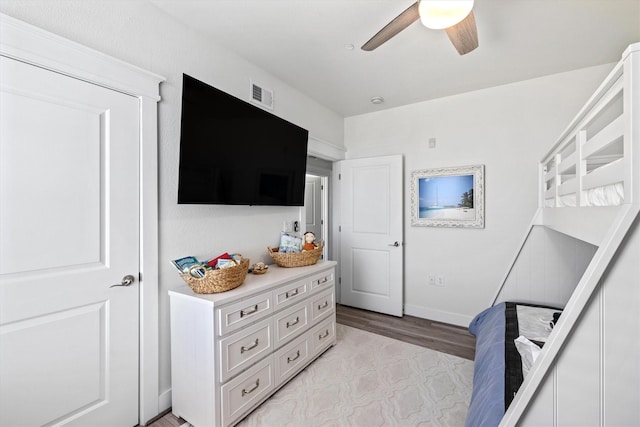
[220, 280]
[298, 259]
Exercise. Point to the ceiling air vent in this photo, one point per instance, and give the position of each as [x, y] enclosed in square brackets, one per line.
[261, 96]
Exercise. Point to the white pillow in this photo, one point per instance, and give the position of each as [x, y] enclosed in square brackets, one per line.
[528, 353]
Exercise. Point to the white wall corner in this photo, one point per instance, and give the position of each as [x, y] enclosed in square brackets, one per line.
[164, 401]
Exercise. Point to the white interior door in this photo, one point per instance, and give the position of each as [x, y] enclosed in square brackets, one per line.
[69, 174]
[371, 252]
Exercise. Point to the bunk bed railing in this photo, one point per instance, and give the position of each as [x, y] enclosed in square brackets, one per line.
[589, 190]
[587, 156]
[591, 164]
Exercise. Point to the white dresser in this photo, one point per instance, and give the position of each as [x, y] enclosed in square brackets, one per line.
[230, 351]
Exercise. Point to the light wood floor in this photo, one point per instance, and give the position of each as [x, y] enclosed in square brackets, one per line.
[437, 336]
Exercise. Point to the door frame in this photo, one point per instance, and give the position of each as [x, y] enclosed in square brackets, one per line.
[32, 45]
[327, 151]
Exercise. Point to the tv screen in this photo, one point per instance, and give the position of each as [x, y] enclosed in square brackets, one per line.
[235, 153]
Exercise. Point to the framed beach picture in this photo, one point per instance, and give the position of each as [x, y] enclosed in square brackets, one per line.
[448, 197]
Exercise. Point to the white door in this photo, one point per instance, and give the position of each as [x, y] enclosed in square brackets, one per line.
[371, 254]
[313, 206]
[69, 174]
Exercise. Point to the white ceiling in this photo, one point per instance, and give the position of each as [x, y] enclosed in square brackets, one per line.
[303, 43]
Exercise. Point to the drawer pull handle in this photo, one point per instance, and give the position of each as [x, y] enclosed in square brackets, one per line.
[323, 280]
[295, 322]
[323, 306]
[323, 336]
[251, 347]
[292, 293]
[296, 357]
[252, 389]
[248, 312]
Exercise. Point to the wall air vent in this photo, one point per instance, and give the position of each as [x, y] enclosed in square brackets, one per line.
[261, 96]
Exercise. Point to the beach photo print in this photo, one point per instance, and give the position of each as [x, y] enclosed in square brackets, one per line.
[448, 197]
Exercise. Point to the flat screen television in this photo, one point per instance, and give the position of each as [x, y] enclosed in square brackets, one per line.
[235, 153]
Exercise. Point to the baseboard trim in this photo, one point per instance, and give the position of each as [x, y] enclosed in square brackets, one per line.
[437, 315]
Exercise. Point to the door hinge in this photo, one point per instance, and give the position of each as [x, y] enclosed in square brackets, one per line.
[339, 280]
[139, 277]
[339, 229]
[339, 177]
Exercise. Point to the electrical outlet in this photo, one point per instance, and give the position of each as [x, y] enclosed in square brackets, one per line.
[440, 280]
[431, 279]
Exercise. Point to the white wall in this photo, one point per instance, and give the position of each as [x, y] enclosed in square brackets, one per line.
[548, 268]
[137, 32]
[506, 128]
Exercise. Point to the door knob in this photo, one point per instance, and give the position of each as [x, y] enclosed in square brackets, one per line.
[126, 281]
[396, 244]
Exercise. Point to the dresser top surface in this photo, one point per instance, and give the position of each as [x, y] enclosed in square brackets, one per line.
[255, 283]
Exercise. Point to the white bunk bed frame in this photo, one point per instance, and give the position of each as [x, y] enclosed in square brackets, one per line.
[588, 372]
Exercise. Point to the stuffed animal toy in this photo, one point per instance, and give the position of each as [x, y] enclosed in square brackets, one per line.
[309, 241]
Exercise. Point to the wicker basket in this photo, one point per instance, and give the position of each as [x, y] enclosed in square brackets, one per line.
[298, 259]
[220, 280]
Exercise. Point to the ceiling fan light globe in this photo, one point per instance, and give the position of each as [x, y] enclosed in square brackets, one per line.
[439, 14]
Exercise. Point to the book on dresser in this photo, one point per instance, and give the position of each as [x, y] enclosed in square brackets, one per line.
[230, 351]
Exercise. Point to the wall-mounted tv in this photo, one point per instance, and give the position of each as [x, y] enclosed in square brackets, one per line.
[235, 153]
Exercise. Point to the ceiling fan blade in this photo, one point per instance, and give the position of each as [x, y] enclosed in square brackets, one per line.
[464, 35]
[400, 22]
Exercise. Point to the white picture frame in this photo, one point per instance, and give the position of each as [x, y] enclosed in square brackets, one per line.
[448, 197]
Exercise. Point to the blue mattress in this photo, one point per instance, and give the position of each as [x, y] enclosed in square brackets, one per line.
[497, 374]
[487, 399]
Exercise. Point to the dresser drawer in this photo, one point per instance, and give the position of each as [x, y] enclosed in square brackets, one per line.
[290, 322]
[322, 280]
[240, 350]
[235, 316]
[291, 358]
[240, 395]
[290, 294]
[323, 335]
[322, 304]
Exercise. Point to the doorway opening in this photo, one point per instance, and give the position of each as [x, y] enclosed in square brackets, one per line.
[316, 215]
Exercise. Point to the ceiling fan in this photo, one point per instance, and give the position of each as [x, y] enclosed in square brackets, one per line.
[454, 16]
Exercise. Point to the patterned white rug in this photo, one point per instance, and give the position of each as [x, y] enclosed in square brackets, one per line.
[369, 380]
